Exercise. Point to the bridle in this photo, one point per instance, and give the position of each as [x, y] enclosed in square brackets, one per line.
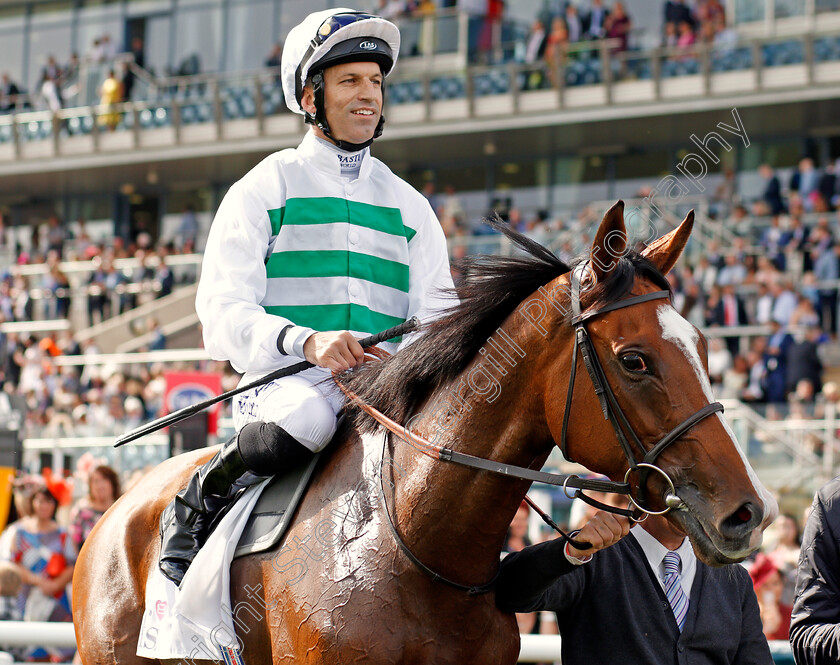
[612, 412]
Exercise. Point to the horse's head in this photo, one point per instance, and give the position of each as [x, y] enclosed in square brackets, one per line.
[658, 393]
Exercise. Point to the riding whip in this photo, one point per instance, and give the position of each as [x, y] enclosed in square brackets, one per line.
[187, 411]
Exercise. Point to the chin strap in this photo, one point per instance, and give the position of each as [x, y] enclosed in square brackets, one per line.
[320, 118]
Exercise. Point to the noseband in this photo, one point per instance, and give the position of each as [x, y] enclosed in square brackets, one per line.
[612, 410]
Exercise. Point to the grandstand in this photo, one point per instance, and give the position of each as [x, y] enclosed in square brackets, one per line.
[491, 126]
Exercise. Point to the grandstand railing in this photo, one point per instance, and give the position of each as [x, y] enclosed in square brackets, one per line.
[192, 110]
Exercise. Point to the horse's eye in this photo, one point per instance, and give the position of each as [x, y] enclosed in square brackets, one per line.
[634, 362]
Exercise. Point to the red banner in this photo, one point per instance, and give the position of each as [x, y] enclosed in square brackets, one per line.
[187, 388]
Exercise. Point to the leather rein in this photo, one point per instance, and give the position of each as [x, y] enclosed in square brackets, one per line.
[612, 411]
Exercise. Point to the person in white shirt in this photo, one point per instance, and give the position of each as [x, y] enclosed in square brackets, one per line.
[314, 247]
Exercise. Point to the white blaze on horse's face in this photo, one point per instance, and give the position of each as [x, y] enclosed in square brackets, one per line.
[679, 331]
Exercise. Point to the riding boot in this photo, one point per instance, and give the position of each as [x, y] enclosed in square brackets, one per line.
[187, 521]
[258, 450]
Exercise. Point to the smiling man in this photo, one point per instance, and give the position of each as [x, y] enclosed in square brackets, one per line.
[314, 247]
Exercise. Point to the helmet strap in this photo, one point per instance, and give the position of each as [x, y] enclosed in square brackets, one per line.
[320, 117]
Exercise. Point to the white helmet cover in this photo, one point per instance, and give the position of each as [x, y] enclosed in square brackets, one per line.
[305, 35]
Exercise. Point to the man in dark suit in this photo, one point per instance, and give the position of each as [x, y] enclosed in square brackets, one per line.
[8, 94]
[728, 312]
[642, 599]
[677, 12]
[772, 190]
[594, 23]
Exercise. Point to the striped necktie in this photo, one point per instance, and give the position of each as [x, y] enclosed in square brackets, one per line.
[673, 588]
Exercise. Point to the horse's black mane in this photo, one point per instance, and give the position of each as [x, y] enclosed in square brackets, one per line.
[490, 289]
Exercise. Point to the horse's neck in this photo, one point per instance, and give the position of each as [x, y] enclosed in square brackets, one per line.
[454, 519]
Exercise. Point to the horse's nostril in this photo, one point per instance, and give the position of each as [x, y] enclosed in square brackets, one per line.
[741, 521]
[743, 514]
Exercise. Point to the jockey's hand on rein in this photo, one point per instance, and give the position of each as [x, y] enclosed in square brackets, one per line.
[602, 530]
[336, 350]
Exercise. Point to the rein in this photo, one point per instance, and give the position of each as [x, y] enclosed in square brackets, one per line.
[442, 453]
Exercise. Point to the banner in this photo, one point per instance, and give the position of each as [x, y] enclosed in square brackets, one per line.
[187, 388]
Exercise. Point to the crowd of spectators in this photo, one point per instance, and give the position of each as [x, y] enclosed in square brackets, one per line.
[773, 280]
[58, 84]
[49, 520]
[83, 399]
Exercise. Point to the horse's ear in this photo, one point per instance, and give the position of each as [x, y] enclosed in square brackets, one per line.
[610, 242]
[664, 252]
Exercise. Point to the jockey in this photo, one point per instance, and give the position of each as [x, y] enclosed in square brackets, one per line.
[314, 247]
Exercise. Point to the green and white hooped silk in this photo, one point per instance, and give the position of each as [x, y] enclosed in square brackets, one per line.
[322, 273]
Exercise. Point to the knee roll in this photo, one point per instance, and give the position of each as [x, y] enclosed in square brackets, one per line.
[267, 449]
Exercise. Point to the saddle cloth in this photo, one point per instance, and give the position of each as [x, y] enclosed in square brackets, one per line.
[195, 621]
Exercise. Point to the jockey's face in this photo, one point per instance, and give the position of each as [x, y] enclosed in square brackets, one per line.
[352, 100]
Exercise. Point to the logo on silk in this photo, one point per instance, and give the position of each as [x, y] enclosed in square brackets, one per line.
[349, 160]
[160, 608]
[350, 164]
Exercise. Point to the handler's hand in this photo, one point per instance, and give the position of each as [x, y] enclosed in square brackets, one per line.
[336, 350]
[602, 531]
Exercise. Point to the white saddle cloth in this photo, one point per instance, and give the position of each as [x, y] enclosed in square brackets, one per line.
[195, 621]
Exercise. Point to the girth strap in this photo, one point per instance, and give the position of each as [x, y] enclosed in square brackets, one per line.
[474, 590]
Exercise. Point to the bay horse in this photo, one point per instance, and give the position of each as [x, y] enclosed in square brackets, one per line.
[489, 378]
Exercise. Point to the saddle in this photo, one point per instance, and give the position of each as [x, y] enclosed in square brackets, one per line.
[273, 512]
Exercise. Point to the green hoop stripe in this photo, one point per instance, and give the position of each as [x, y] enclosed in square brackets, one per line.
[330, 210]
[336, 317]
[337, 263]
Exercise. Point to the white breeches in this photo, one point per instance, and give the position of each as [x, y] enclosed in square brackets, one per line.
[304, 405]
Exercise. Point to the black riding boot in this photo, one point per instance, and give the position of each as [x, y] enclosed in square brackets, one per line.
[185, 524]
[257, 451]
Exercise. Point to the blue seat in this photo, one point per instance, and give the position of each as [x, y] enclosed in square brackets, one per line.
[273, 102]
[783, 53]
[415, 89]
[823, 49]
[230, 109]
[500, 81]
[669, 68]
[189, 114]
[162, 117]
[147, 118]
[31, 130]
[398, 93]
[448, 87]
[247, 107]
[689, 67]
[204, 111]
[482, 85]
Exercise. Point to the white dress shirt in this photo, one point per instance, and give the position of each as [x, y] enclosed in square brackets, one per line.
[655, 554]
